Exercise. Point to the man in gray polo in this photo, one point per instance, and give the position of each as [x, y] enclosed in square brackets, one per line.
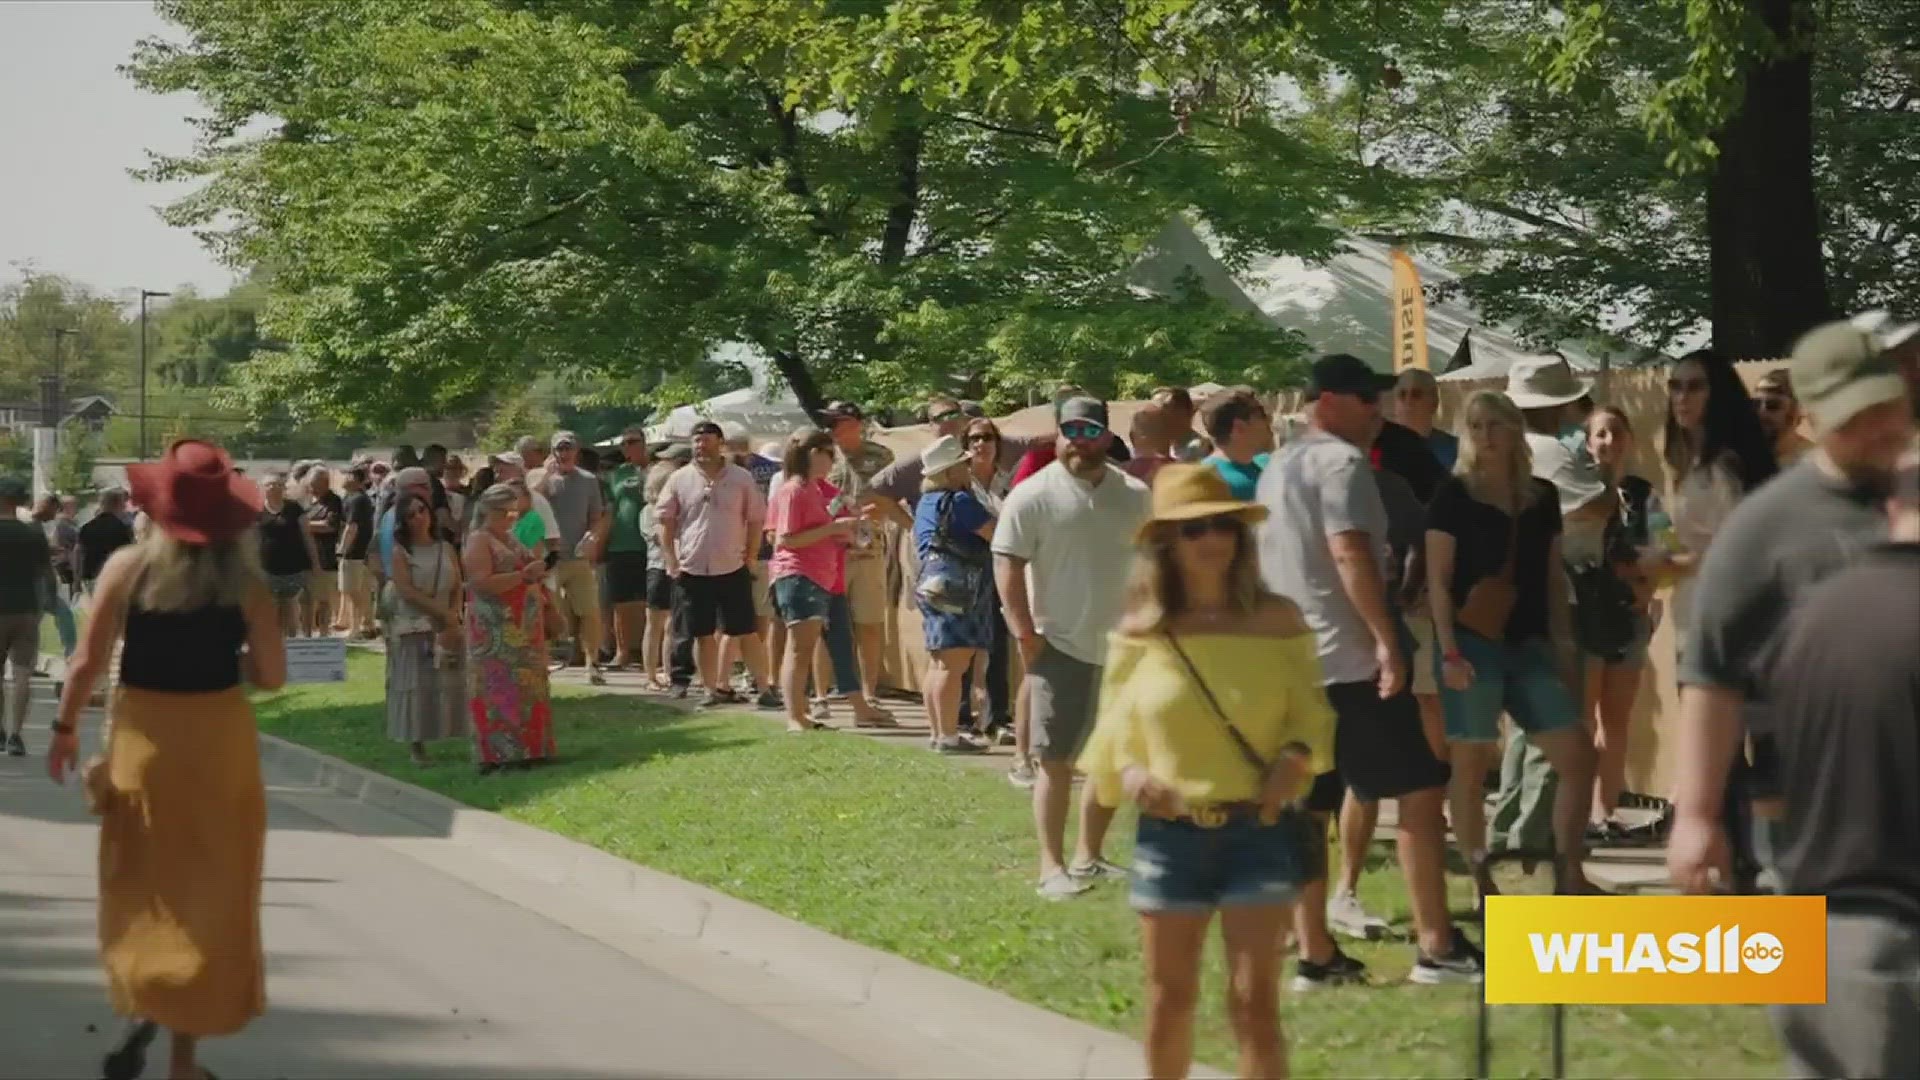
[580, 510]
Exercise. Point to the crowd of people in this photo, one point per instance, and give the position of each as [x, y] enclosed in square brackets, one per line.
[1254, 639]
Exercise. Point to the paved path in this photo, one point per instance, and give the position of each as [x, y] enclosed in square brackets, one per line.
[379, 966]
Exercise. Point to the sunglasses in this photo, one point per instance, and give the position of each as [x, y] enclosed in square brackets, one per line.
[976, 439]
[1082, 430]
[1772, 404]
[1200, 528]
[1686, 386]
[943, 417]
[632, 442]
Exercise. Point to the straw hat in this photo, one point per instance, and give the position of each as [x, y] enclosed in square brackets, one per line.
[1541, 382]
[1183, 492]
[194, 494]
[942, 454]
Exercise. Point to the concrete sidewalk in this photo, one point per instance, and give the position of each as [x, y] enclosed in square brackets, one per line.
[468, 946]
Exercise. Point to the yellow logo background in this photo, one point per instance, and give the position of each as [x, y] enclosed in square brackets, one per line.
[1797, 923]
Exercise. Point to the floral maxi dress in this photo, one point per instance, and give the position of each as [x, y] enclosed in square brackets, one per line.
[507, 667]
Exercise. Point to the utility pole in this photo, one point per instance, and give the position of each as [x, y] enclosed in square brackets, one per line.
[56, 407]
[145, 295]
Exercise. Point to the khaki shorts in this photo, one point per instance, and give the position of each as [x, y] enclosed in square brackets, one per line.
[356, 580]
[1420, 663]
[762, 593]
[867, 589]
[577, 588]
[323, 588]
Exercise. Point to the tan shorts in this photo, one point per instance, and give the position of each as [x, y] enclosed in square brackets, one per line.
[577, 588]
[356, 580]
[323, 588]
[762, 593]
[867, 589]
[1421, 662]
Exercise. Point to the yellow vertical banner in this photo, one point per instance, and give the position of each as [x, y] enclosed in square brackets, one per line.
[1409, 315]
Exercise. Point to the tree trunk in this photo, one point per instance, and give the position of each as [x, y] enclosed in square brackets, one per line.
[1768, 273]
[905, 140]
[793, 368]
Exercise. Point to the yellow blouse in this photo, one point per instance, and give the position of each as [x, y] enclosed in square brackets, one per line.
[1152, 713]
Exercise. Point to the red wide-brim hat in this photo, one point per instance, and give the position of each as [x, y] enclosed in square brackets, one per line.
[194, 494]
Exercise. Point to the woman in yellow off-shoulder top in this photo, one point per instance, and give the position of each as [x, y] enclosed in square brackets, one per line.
[1212, 720]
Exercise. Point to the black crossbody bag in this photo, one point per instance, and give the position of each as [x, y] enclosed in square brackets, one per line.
[1299, 826]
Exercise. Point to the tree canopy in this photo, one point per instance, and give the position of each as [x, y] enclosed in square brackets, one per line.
[457, 200]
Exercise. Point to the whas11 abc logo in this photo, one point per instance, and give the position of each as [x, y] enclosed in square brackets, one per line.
[1718, 951]
[1656, 950]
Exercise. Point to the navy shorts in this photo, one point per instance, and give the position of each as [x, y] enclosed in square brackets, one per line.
[1180, 867]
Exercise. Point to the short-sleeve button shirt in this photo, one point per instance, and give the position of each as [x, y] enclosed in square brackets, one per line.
[712, 517]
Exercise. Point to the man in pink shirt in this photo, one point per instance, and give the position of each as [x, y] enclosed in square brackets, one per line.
[711, 513]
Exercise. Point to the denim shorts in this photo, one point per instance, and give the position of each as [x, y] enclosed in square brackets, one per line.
[1518, 678]
[1636, 651]
[1179, 866]
[798, 598]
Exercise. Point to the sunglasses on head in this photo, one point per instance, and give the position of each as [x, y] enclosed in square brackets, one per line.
[1679, 386]
[1208, 526]
[1082, 430]
[982, 438]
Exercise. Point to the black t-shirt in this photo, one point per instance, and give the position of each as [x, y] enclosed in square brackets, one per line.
[283, 550]
[1481, 534]
[100, 537]
[358, 512]
[1844, 699]
[1403, 452]
[1797, 530]
[1406, 527]
[329, 510]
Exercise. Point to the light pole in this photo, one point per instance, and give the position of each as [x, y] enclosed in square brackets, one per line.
[54, 403]
[145, 295]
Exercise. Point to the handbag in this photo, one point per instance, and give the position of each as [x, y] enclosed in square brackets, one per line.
[1605, 609]
[951, 580]
[1306, 835]
[1490, 601]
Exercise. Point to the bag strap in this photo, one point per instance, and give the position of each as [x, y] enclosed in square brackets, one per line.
[1240, 742]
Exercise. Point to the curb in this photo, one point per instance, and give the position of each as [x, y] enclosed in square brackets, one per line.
[951, 1027]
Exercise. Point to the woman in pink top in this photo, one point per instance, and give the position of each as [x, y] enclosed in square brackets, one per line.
[811, 526]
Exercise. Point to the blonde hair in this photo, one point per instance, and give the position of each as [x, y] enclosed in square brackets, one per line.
[1497, 407]
[955, 477]
[178, 577]
[1156, 595]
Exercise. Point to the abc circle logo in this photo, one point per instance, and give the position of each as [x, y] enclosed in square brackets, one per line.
[1762, 953]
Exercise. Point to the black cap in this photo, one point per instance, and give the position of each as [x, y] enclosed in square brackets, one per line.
[841, 410]
[1343, 373]
[708, 427]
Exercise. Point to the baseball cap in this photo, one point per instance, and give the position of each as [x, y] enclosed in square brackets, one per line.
[565, 439]
[841, 410]
[13, 489]
[708, 427]
[972, 409]
[1840, 371]
[1084, 409]
[1343, 373]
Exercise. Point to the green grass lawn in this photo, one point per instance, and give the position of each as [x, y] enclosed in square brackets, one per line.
[890, 846]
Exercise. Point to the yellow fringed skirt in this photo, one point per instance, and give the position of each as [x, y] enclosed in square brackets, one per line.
[182, 840]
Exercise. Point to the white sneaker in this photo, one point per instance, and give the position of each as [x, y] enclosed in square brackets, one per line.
[821, 710]
[1061, 885]
[1346, 916]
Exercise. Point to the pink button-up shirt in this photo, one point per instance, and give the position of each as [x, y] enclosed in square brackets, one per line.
[712, 518]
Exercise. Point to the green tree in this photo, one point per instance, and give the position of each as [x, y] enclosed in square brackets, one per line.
[96, 342]
[72, 471]
[468, 195]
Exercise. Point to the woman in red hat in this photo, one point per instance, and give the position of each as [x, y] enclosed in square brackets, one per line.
[183, 810]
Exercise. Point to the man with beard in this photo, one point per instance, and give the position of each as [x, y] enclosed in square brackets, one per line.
[1780, 415]
[1798, 529]
[1061, 553]
[711, 516]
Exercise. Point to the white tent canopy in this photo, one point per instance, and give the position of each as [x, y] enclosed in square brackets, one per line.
[765, 411]
[1342, 305]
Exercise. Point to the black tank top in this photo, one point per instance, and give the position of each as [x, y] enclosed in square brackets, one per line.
[183, 651]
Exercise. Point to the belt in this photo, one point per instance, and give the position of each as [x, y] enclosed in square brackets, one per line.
[1219, 815]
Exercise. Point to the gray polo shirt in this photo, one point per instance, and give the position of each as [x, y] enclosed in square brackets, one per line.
[577, 504]
[1316, 487]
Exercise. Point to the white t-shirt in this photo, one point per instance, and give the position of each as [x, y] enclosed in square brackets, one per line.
[1077, 540]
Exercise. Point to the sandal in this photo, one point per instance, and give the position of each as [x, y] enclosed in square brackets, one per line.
[879, 718]
[129, 1059]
